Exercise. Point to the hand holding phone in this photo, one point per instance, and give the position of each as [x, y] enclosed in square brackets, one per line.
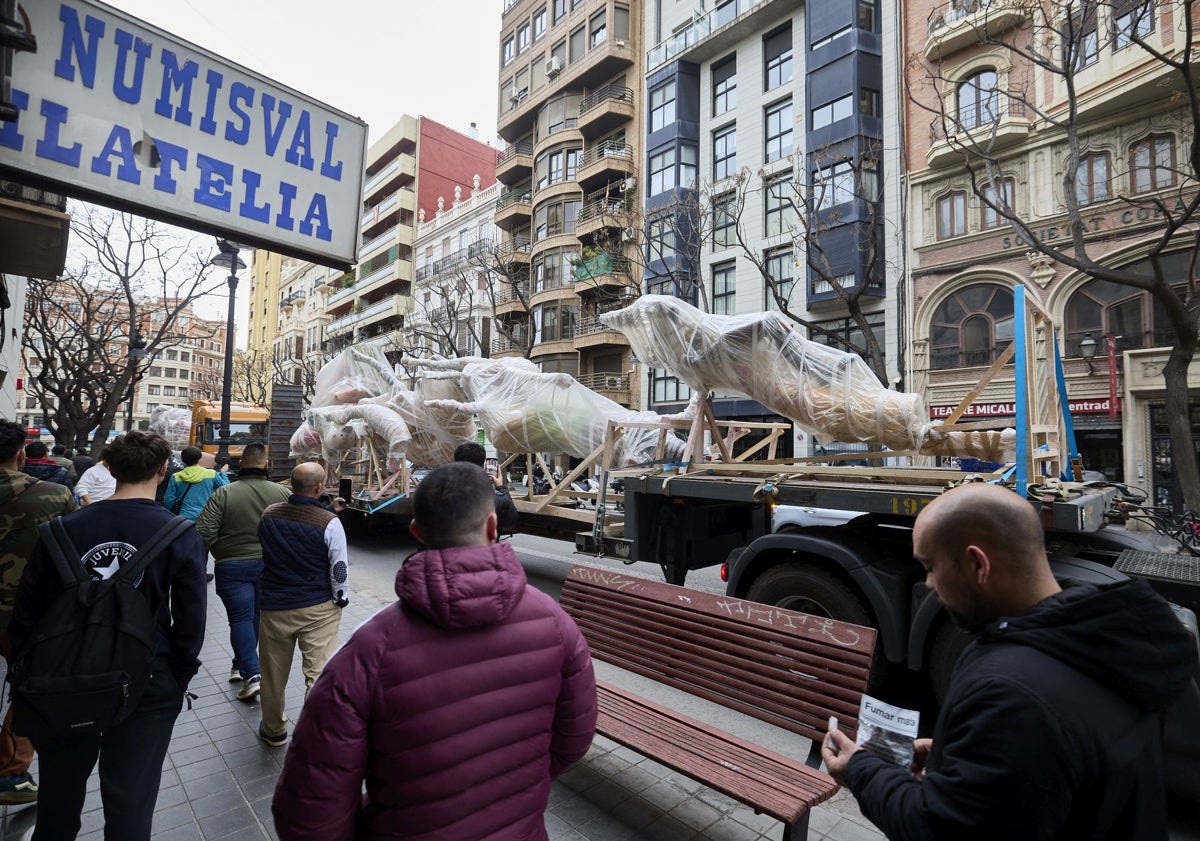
[829, 743]
[492, 466]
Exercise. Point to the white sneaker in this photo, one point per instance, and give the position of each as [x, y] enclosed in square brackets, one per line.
[252, 687]
[235, 676]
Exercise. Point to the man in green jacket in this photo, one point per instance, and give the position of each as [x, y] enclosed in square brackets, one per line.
[228, 525]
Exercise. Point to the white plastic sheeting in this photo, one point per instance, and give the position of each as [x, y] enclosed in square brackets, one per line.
[172, 423]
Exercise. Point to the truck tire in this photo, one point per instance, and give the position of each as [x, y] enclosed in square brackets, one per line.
[948, 646]
[807, 590]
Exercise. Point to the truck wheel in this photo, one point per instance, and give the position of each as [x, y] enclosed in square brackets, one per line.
[948, 646]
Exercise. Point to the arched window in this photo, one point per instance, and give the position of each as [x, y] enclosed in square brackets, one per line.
[1132, 316]
[971, 327]
[1152, 163]
[979, 100]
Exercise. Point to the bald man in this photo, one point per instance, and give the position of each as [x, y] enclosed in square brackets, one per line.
[1051, 727]
[305, 585]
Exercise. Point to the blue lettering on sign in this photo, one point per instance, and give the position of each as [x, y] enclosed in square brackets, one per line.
[131, 92]
[119, 143]
[10, 138]
[248, 209]
[318, 212]
[287, 195]
[73, 41]
[239, 92]
[274, 132]
[215, 177]
[179, 78]
[169, 155]
[328, 168]
[215, 80]
[300, 152]
[48, 147]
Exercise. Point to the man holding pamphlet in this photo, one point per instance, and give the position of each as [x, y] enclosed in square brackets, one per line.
[1052, 724]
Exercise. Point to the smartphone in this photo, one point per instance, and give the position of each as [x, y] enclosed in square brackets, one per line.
[492, 466]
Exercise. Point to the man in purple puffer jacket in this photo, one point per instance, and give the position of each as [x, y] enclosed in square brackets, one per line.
[457, 705]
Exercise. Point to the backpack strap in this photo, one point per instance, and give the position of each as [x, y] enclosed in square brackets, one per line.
[177, 506]
[154, 547]
[62, 552]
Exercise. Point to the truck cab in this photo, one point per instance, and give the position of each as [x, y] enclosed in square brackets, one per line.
[248, 424]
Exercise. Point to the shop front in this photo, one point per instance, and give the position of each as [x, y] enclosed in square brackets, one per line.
[1149, 457]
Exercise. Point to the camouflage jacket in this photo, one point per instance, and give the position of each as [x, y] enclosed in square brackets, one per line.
[25, 503]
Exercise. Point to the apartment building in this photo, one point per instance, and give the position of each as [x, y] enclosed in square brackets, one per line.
[767, 138]
[570, 111]
[456, 281]
[295, 354]
[976, 99]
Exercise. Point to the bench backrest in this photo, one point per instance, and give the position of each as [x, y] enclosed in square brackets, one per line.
[789, 669]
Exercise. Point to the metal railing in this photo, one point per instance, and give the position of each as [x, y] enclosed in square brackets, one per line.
[521, 195]
[606, 93]
[979, 119]
[606, 150]
[602, 265]
[702, 27]
[605, 380]
[510, 294]
[515, 150]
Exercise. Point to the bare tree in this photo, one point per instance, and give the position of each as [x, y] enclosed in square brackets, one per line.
[1052, 52]
[88, 340]
[252, 374]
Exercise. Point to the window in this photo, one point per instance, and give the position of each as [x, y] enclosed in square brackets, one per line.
[868, 15]
[777, 55]
[154, 390]
[952, 215]
[1081, 36]
[979, 100]
[559, 51]
[184, 356]
[559, 8]
[663, 242]
[833, 185]
[724, 152]
[523, 38]
[779, 209]
[724, 80]
[781, 268]
[971, 327]
[1152, 163]
[599, 28]
[168, 391]
[507, 53]
[1131, 21]
[662, 106]
[687, 166]
[621, 22]
[662, 171]
[665, 387]
[724, 209]
[1091, 179]
[831, 112]
[172, 355]
[556, 322]
[847, 330]
[868, 102]
[723, 290]
[779, 130]
[829, 39]
[555, 218]
[1004, 196]
[156, 371]
[578, 42]
[539, 23]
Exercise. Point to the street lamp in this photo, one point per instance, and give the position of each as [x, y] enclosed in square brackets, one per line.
[227, 259]
[1087, 349]
[137, 352]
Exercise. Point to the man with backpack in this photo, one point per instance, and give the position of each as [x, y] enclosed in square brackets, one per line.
[190, 488]
[25, 503]
[129, 735]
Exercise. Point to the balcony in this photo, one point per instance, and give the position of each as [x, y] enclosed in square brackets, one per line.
[503, 346]
[606, 208]
[612, 384]
[961, 23]
[513, 209]
[605, 109]
[378, 243]
[392, 305]
[709, 34]
[401, 271]
[606, 162]
[510, 298]
[602, 270]
[592, 333]
[515, 163]
[950, 138]
[401, 172]
[341, 296]
[34, 230]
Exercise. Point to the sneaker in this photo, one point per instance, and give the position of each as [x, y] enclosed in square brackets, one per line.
[19, 788]
[235, 676]
[274, 741]
[251, 688]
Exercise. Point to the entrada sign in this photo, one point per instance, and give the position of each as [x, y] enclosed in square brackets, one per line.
[122, 113]
[993, 410]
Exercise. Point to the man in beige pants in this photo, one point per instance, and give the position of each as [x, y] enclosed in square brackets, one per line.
[305, 585]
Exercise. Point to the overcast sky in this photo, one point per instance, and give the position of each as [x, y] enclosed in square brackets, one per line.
[373, 59]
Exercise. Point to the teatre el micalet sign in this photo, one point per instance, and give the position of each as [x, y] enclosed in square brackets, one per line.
[114, 110]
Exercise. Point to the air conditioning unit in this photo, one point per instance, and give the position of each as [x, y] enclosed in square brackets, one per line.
[629, 184]
[612, 383]
[516, 94]
[554, 66]
[629, 234]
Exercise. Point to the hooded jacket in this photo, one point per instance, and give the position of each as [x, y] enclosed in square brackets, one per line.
[1051, 728]
[457, 705]
[48, 470]
[194, 485]
[25, 503]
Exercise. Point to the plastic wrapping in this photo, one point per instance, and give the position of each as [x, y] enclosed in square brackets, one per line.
[341, 427]
[823, 390]
[172, 423]
[523, 410]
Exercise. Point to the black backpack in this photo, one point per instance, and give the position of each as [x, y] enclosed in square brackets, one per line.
[86, 664]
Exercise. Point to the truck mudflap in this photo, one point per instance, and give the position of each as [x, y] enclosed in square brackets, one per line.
[892, 625]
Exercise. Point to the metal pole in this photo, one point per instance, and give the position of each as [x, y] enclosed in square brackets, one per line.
[227, 381]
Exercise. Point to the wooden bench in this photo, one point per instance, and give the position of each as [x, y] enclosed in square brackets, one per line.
[786, 668]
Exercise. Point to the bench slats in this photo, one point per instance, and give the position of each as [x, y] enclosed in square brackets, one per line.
[773, 784]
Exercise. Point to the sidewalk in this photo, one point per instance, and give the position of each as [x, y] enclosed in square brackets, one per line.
[218, 778]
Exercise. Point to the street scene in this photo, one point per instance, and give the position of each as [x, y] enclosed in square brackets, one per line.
[615, 419]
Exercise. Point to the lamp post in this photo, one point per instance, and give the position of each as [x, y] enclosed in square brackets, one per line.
[137, 352]
[227, 259]
[1087, 349]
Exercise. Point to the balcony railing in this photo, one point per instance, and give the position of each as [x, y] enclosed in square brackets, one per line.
[976, 120]
[518, 245]
[607, 93]
[602, 265]
[701, 28]
[605, 380]
[607, 149]
[510, 294]
[379, 209]
[515, 150]
[390, 303]
[518, 196]
[505, 345]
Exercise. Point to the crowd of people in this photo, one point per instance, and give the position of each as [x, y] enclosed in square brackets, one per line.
[455, 708]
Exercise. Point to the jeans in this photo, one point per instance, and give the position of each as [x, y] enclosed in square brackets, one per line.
[239, 584]
[131, 760]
